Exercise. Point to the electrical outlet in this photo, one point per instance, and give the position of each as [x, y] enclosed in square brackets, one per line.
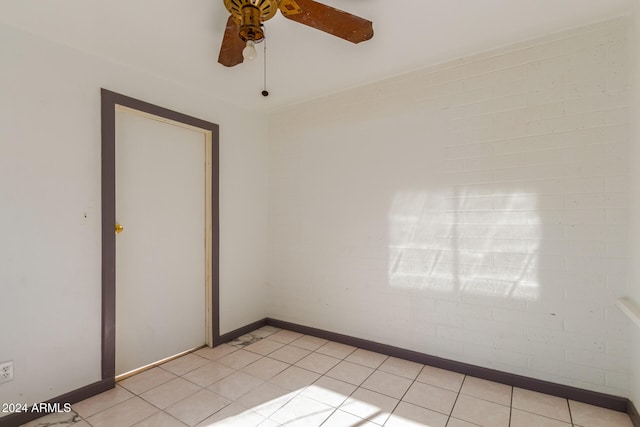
[6, 371]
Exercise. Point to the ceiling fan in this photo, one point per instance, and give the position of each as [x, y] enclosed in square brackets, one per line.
[244, 26]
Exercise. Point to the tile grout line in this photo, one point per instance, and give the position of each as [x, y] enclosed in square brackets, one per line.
[291, 343]
[308, 370]
[511, 406]
[405, 393]
[456, 400]
[112, 406]
[331, 409]
[174, 403]
[335, 409]
[545, 416]
[362, 382]
[458, 396]
[414, 380]
[357, 386]
[570, 414]
[163, 410]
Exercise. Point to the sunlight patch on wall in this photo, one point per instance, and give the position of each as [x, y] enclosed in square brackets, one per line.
[478, 245]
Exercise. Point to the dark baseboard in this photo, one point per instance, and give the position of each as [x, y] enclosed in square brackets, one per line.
[616, 403]
[633, 414]
[230, 336]
[16, 419]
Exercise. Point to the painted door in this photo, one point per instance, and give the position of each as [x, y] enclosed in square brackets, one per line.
[160, 252]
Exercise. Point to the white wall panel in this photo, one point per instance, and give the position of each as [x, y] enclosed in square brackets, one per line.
[50, 207]
[472, 210]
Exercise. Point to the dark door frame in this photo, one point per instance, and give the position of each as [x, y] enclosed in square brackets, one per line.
[109, 101]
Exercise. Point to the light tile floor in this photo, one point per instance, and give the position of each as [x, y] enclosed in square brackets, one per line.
[276, 377]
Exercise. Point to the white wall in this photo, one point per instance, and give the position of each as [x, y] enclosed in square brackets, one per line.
[634, 260]
[476, 210]
[50, 208]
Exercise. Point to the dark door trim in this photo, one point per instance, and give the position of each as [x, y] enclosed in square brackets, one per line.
[109, 100]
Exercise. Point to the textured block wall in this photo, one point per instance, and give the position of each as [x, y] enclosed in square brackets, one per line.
[476, 210]
[634, 212]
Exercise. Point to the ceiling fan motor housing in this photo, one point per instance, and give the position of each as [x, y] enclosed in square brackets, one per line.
[249, 14]
[250, 28]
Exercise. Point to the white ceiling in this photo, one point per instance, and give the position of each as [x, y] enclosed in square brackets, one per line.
[179, 39]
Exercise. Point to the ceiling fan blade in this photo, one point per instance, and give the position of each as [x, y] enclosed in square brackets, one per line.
[328, 19]
[232, 45]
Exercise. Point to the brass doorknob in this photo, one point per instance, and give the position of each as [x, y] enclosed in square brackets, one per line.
[119, 228]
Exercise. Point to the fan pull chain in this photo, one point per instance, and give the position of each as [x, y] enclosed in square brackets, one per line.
[265, 92]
